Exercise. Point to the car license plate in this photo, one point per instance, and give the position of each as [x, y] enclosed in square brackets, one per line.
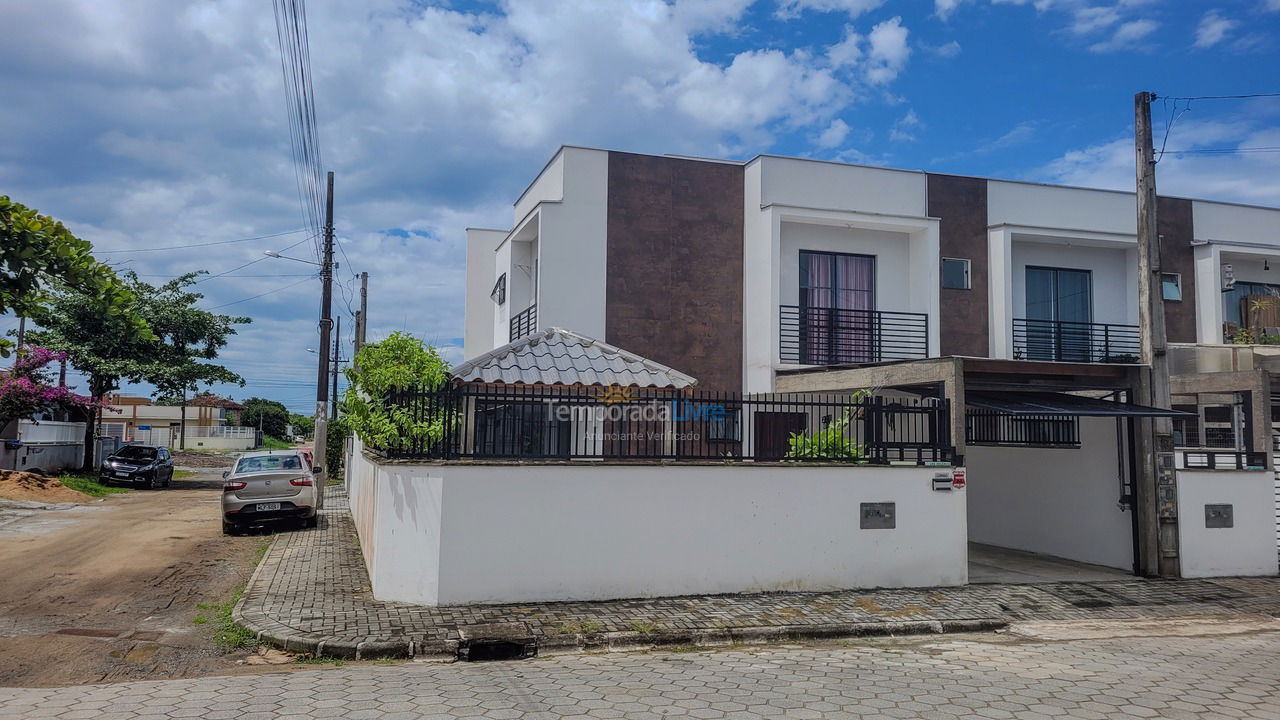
[120, 474]
[263, 507]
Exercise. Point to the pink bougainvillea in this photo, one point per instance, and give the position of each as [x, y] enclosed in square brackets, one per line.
[25, 389]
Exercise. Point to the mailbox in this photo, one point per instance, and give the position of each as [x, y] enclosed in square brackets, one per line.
[878, 516]
[1219, 516]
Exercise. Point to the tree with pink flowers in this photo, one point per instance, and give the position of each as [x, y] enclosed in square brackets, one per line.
[26, 389]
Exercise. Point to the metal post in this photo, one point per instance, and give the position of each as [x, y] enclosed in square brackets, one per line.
[1155, 489]
[326, 322]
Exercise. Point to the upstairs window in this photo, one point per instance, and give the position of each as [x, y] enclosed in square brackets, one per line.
[499, 293]
[955, 273]
[1171, 286]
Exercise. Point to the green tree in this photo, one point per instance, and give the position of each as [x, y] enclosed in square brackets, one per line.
[269, 415]
[38, 253]
[400, 361]
[109, 348]
[302, 424]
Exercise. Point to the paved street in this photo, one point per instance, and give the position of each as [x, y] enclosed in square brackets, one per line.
[1234, 675]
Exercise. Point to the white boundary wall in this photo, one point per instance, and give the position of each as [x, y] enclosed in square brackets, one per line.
[456, 534]
[1061, 502]
[1248, 548]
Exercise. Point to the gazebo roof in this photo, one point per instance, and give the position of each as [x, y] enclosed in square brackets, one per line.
[557, 356]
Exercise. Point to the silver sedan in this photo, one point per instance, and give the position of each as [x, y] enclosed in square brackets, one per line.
[267, 487]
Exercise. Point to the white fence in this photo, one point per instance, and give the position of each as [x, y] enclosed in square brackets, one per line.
[48, 431]
[220, 431]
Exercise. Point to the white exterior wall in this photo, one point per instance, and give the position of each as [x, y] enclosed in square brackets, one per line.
[1114, 291]
[792, 204]
[1249, 547]
[1235, 223]
[455, 534]
[477, 330]
[1046, 206]
[1061, 502]
[572, 240]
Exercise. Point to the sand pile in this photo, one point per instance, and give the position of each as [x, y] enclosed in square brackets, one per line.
[17, 485]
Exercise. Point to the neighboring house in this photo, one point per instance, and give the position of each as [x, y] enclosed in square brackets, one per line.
[136, 419]
[1015, 301]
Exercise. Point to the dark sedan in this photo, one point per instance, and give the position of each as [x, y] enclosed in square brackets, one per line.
[148, 465]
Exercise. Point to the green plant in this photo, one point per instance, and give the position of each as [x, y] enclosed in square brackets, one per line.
[644, 627]
[400, 361]
[829, 443]
[228, 636]
[89, 485]
[270, 443]
[336, 433]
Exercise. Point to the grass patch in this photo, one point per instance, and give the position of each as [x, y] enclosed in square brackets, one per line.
[644, 627]
[261, 552]
[89, 485]
[270, 443]
[182, 474]
[585, 627]
[227, 635]
[320, 660]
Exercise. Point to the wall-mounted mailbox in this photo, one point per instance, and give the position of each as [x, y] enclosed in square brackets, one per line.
[879, 516]
[942, 481]
[1219, 516]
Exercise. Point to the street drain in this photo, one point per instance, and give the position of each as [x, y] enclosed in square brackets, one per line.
[496, 641]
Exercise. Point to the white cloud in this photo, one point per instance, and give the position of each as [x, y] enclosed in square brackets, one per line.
[1213, 29]
[944, 8]
[853, 8]
[1271, 5]
[888, 51]
[946, 50]
[905, 127]
[162, 122]
[1245, 177]
[834, 135]
[1126, 36]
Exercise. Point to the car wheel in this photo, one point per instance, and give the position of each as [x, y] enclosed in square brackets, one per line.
[152, 482]
[311, 521]
[228, 528]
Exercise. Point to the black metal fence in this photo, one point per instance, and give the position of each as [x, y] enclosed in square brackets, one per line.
[634, 424]
[523, 323]
[835, 336]
[1222, 460]
[988, 427]
[1083, 342]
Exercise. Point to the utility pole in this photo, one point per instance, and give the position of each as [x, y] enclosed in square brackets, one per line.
[362, 315]
[1155, 489]
[22, 331]
[337, 346]
[326, 322]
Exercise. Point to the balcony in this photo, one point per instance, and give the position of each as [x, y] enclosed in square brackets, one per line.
[835, 336]
[524, 323]
[1081, 342]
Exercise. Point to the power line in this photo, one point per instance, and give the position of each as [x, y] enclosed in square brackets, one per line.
[235, 276]
[1227, 151]
[269, 292]
[203, 244]
[251, 262]
[1223, 97]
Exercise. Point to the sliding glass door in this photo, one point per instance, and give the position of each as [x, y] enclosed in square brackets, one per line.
[837, 308]
[1059, 313]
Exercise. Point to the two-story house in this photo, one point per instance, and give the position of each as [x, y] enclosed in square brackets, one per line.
[1016, 301]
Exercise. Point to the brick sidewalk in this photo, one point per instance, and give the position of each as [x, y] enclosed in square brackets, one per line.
[311, 594]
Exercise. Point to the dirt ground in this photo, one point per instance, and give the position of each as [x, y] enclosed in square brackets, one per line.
[193, 459]
[17, 485]
[108, 591]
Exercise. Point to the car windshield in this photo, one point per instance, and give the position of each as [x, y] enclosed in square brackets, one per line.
[267, 463]
[136, 452]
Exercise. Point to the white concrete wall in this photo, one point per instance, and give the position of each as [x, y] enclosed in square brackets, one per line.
[572, 247]
[454, 534]
[362, 487]
[835, 186]
[1113, 271]
[1249, 547]
[1045, 206]
[761, 296]
[477, 329]
[1235, 223]
[1061, 502]
[215, 443]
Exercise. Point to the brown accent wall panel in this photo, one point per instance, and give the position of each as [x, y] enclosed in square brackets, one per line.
[1174, 225]
[673, 290]
[961, 205]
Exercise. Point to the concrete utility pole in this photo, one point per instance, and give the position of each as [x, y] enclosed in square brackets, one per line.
[337, 346]
[326, 322]
[362, 315]
[1155, 488]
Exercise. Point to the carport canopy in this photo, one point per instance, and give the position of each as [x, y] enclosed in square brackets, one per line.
[1014, 402]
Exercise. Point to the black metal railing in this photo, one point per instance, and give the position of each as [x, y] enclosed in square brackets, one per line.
[1222, 459]
[835, 336]
[643, 424]
[988, 427]
[524, 323]
[1067, 341]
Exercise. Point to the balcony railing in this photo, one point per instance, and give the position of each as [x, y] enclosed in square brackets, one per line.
[524, 323]
[835, 336]
[1208, 459]
[1082, 342]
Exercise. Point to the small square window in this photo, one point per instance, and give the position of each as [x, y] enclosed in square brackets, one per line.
[499, 292]
[1171, 286]
[955, 273]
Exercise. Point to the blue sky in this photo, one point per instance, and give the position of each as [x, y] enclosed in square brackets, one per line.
[149, 123]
